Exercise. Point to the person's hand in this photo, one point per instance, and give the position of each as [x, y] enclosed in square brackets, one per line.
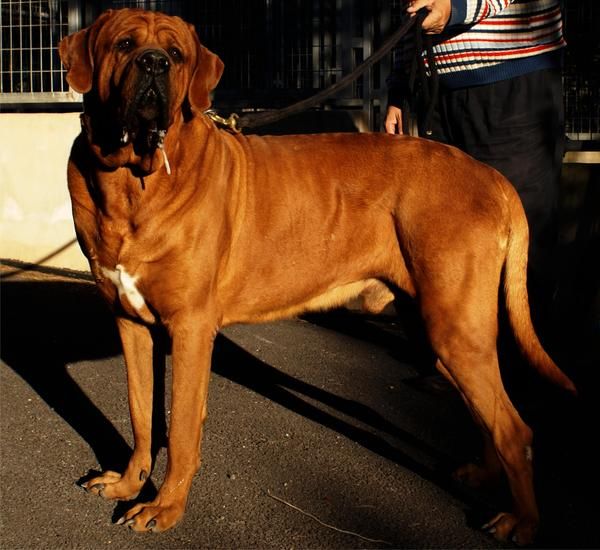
[393, 120]
[439, 14]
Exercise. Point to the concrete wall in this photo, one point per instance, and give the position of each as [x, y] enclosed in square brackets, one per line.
[35, 209]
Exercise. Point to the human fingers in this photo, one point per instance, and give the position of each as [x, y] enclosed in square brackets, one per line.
[393, 120]
[416, 5]
[438, 17]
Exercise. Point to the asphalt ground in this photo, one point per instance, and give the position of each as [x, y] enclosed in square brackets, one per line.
[320, 429]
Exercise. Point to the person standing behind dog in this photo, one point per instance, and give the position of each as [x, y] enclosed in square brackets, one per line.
[500, 100]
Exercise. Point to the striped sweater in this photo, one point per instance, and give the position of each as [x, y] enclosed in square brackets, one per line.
[490, 40]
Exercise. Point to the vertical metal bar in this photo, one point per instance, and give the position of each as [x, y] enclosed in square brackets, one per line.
[41, 84]
[1, 56]
[20, 46]
[316, 43]
[60, 31]
[270, 62]
[368, 37]
[51, 9]
[40, 51]
[336, 54]
[10, 36]
[74, 19]
[346, 9]
[31, 80]
[29, 28]
[328, 37]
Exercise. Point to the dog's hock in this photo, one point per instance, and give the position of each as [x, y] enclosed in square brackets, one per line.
[126, 285]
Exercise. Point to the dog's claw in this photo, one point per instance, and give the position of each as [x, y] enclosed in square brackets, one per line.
[151, 524]
[121, 520]
[98, 487]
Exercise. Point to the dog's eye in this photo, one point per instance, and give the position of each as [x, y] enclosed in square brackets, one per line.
[125, 45]
[175, 54]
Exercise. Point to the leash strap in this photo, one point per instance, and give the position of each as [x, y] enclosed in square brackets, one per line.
[429, 87]
[252, 121]
[237, 123]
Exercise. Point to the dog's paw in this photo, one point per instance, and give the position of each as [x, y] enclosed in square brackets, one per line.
[114, 486]
[153, 516]
[507, 526]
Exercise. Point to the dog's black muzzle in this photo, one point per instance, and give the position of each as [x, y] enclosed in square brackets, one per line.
[147, 113]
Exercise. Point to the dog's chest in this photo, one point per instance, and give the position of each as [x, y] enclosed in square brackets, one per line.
[120, 272]
[126, 285]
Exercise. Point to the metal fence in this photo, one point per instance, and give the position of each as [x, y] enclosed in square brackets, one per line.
[30, 70]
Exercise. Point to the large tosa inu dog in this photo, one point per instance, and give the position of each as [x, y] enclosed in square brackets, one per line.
[195, 228]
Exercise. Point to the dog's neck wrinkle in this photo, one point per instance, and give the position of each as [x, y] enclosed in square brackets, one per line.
[135, 201]
[123, 194]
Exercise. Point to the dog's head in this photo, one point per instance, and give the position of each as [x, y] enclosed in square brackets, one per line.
[139, 72]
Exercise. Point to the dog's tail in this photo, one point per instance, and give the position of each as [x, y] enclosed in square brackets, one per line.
[517, 301]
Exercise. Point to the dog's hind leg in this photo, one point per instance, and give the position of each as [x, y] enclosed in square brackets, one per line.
[461, 320]
[477, 475]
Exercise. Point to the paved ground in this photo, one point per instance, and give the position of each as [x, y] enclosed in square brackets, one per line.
[336, 415]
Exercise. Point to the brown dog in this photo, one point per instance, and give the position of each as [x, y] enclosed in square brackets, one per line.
[195, 228]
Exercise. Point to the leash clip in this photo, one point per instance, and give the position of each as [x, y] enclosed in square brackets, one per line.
[231, 122]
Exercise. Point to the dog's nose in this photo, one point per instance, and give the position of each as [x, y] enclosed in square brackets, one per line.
[154, 62]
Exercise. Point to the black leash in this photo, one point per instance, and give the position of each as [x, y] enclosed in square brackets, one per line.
[237, 123]
[429, 87]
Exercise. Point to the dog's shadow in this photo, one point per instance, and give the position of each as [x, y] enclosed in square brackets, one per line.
[46, 326]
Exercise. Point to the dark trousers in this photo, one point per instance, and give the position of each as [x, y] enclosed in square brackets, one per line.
[516, 126]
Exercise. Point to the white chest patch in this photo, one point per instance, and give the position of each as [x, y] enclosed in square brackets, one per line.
[125, 284]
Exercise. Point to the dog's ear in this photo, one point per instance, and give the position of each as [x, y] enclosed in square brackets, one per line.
[75, 53]
[76, 58]
[205, 78]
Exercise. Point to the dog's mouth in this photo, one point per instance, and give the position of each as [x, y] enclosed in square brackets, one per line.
[145, 118]
[150, 104]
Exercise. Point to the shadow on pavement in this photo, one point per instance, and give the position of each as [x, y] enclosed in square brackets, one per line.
[45, 326]
[236, 364]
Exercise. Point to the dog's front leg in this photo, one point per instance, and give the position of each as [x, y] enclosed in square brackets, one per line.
[192, 347]
[137, 348]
